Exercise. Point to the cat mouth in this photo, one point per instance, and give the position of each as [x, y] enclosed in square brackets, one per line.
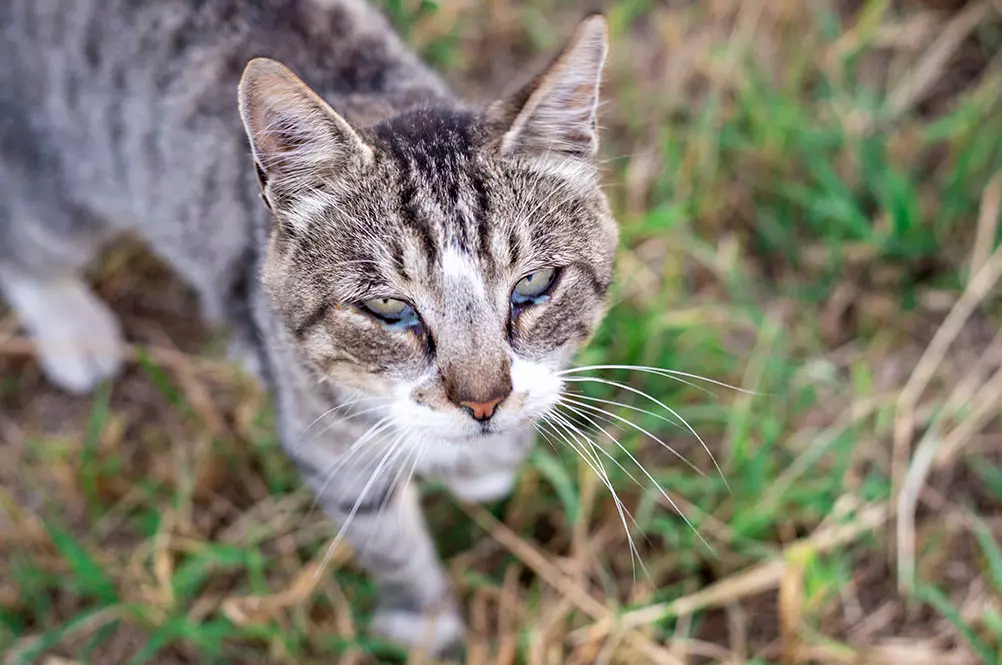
[481, 432]
[488, 428]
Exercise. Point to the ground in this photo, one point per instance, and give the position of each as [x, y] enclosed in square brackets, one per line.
[809, 196]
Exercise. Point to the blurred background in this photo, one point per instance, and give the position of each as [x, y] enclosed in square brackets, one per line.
[809, 195]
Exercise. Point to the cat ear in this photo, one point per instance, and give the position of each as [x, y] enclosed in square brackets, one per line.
[557, 111]
[292, 131]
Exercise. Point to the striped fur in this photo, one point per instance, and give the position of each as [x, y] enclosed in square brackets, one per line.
[377, 182]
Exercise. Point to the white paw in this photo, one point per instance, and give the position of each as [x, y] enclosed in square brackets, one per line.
[434, 634]
[78, 339]
[482, 488]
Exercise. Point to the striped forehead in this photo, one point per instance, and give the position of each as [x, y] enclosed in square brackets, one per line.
[443, 194]
[460, 272]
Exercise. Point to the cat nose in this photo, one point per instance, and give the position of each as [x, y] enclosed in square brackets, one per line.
[482, 411]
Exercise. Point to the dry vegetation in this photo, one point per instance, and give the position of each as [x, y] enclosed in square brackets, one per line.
[810, 198]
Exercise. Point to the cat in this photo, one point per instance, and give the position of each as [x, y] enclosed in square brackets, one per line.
[405, 272]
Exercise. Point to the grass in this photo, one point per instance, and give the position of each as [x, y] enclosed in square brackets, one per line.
[809, 196]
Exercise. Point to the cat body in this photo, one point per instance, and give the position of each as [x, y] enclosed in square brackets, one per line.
[406, 274]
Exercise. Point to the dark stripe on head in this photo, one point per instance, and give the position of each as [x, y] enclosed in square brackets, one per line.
[599, 285]
[412, 217]
[433, 146]
[397, 257]
[514, 247]
[312, 319]
[483, 211]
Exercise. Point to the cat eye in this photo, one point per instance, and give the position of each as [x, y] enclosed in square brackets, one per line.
[534, 286]
[392, 311]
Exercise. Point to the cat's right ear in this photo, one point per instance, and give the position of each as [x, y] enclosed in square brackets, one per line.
[293, 133]
[557, 112]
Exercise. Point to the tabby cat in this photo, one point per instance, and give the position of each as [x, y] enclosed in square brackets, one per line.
[406, 273]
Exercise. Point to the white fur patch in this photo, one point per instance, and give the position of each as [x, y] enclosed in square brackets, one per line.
[482, 488]
[538, 382]
[78, 338]
[461, 272]
[431, 633]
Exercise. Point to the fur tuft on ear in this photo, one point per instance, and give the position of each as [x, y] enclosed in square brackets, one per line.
[557, 111]
[292, 131]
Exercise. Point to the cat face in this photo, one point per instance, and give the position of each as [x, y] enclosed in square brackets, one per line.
[451, 262]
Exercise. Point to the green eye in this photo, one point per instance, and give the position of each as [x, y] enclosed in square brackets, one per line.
[534, 286]
[393, 312]
[390, 308]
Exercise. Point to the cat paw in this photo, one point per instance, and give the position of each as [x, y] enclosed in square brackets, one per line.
[434, 627]
[77, 338]
[438, 634]
[482, 488]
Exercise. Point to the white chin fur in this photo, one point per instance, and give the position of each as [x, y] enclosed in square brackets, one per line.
[485, 488]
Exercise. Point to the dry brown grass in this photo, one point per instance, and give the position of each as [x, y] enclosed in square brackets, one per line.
[878, 417]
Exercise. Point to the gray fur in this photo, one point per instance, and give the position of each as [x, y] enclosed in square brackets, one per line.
[121, 116]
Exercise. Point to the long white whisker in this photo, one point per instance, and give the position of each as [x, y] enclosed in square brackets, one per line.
[406, 444]
[624, 513]
[331, 425]
[624, 406]
[419, 450]
[398, 449]
[351, 515]
[565, 422]
[351, 400]
[663, 406]
[379, 426]
[622, 468]
[545, 436]
[595, 464]
[660, 371]
[647, 473]
[569, 400]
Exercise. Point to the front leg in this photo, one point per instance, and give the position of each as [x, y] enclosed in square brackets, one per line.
[386, 529]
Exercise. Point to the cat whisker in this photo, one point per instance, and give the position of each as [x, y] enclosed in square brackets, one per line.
[664, 406]
[339, 420]
[660, 371]
[595, 464]
[398, 448]
[343, 528]
[358, 444]
[646, 473]
[567, 423]
[343, 405]
[623, 405]
[407, 445]
[568, 398]
[418, 451]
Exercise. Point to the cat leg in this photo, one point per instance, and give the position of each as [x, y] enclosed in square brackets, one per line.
[489, 474]
[391, 543]
[78, 339]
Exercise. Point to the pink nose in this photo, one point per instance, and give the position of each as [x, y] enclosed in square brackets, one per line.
[482, 410]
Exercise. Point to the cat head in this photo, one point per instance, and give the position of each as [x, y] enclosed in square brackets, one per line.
[449, 261]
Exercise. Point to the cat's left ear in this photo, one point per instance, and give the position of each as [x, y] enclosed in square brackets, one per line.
[557, 111]
[293, 132]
